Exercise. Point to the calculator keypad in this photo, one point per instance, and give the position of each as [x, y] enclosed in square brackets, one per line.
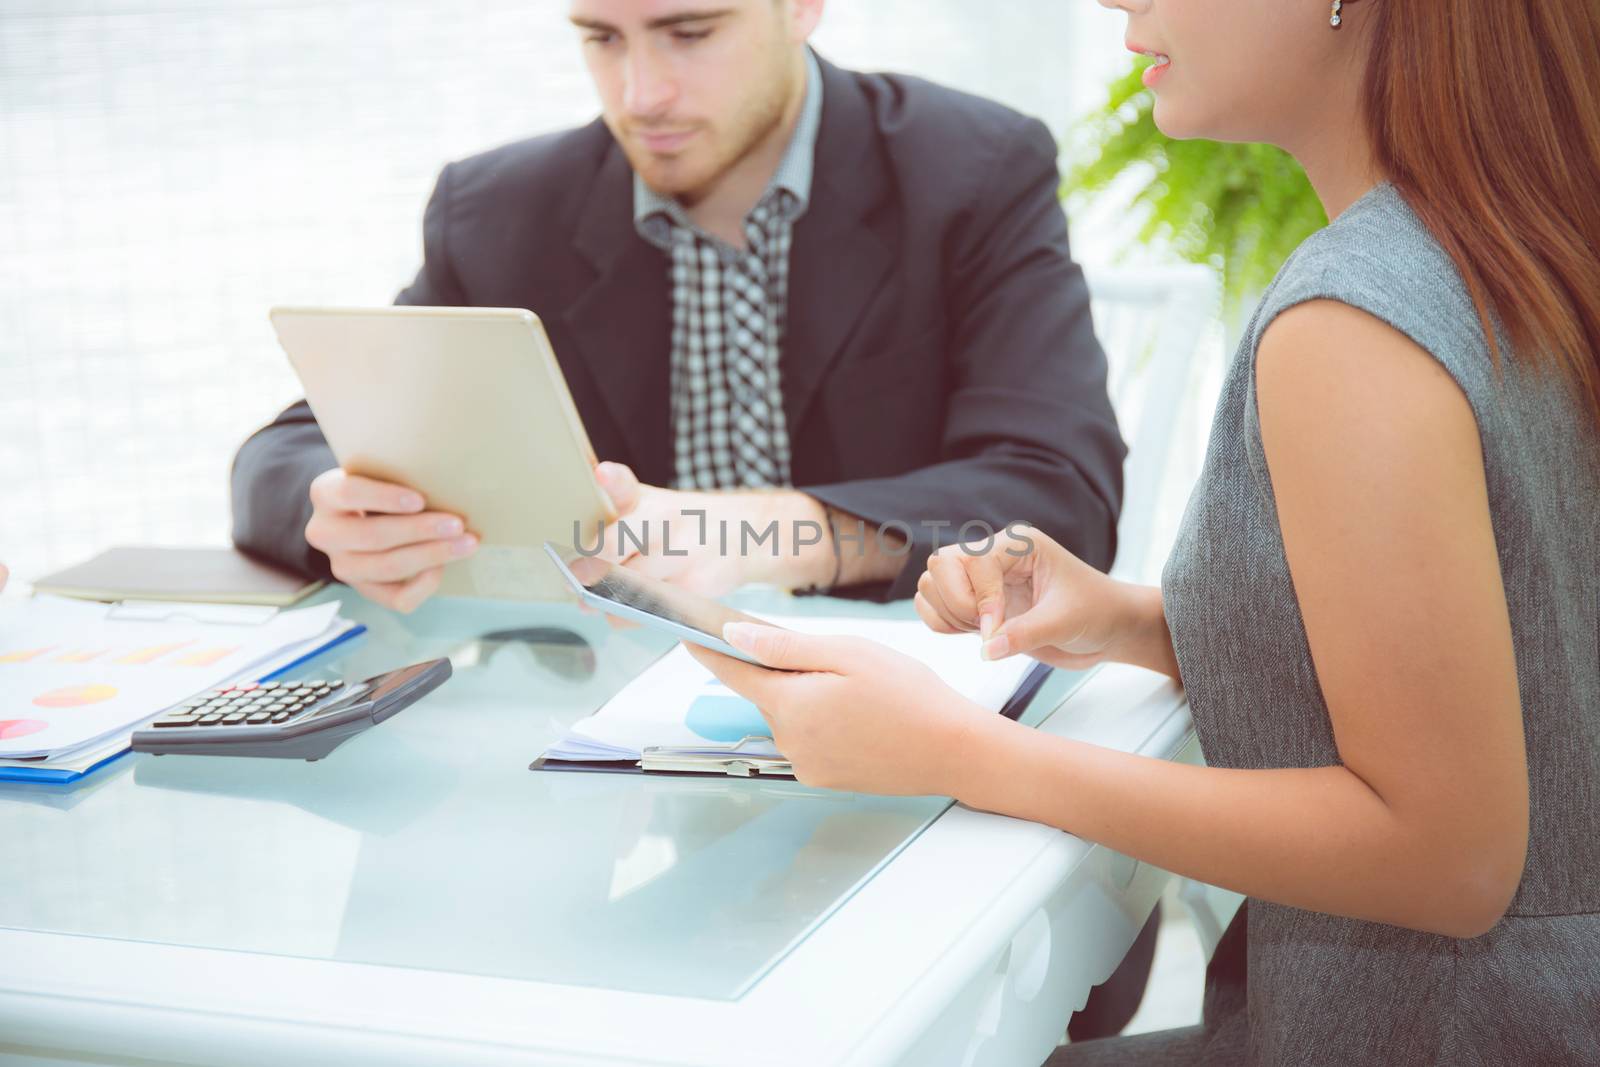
[250, 703]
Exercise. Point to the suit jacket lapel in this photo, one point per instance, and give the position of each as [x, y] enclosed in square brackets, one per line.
[837, 263]
[623, 320]
[841, 249]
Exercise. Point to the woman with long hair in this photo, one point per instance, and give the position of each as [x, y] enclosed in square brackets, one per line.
[1384, 601]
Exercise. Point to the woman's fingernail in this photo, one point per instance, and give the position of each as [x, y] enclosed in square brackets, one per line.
[411, 502]
[986, 624]
[463, 546]
[450, 528]
[998, 647]
[739, 634]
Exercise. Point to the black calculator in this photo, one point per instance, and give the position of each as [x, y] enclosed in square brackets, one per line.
[288, 720]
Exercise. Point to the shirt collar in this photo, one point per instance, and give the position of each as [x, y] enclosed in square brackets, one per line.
[654, 215]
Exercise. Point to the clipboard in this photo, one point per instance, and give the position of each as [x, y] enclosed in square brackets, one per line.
[733, 760]
[186, 611]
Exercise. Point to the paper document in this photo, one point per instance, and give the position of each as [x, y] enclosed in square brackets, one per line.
[73, 674]
[676, 703]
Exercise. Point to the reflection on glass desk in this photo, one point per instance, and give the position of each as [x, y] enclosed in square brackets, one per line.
[427, 842]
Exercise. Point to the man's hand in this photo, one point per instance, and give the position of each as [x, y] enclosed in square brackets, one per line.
[380, 542]
[713, 542]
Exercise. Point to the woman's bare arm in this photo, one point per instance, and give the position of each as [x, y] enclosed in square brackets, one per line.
[1378, 474]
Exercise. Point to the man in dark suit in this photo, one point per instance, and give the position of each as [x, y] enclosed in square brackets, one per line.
[779, 292]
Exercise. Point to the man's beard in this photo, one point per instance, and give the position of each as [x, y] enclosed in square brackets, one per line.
[744, 135]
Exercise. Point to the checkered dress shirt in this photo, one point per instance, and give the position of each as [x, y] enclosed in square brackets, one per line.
[728, 309]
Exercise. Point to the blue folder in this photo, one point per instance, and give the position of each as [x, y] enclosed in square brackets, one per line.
[61, 776]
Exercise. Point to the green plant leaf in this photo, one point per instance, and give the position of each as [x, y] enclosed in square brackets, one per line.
[1240, 209]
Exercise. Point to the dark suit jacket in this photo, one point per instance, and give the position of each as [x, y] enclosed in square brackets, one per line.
[939, 362]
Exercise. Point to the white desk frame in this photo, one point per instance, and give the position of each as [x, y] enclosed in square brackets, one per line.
[972, 946]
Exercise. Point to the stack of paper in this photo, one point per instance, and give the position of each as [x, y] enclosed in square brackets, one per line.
[77, 678]
[678, 705]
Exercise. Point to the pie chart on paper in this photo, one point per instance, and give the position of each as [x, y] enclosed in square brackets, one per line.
[724, 717]
[74, 696]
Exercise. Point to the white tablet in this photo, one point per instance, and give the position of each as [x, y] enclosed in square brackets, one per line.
[468, 407]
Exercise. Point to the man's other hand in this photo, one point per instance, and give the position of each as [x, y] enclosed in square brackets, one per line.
[711, 543]
[380, 541]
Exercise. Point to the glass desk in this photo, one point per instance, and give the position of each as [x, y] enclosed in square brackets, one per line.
[427, 843]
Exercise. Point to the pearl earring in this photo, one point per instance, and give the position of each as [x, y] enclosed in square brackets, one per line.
[1334, 20]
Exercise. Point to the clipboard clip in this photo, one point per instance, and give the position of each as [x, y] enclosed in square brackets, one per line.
[168, 611]
[730, 759]
[711, 748]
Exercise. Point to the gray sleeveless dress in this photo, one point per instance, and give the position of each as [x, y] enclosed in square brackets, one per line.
[1325, 990]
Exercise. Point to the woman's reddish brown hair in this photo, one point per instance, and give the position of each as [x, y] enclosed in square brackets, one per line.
[1485, 114]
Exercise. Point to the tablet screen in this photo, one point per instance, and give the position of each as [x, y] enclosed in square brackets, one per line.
[636, 593]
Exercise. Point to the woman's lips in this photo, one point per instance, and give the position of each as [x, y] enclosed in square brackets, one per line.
[1154, 72]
